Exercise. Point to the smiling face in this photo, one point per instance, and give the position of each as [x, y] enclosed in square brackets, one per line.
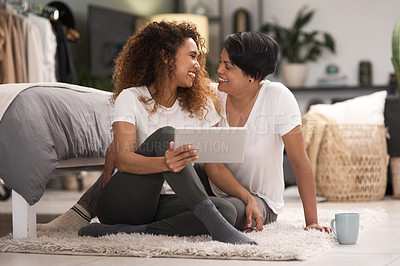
[231, 77]
[186, 64]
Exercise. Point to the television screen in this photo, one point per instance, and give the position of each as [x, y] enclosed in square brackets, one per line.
[108, 30]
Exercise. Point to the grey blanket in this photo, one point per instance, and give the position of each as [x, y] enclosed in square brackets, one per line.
[43, 125]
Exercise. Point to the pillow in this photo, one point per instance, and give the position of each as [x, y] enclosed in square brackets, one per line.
[366, 109]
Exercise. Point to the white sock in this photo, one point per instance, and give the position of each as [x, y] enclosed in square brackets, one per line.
[71, 220]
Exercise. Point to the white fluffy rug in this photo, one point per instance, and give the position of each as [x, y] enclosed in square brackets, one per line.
[283, 240]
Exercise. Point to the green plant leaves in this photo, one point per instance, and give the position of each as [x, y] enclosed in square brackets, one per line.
[396, 50]
[297, 45]
[302, 18]
[329, 42]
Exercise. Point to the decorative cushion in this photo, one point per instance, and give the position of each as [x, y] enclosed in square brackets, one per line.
[366, 109]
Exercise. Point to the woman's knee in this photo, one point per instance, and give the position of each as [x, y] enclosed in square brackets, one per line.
[166, 132]
[158, 142]
[226, 209]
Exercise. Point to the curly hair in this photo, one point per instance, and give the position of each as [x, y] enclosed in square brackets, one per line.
[150, 54]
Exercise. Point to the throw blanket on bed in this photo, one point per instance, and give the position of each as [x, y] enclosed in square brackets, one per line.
[8, 92]
[45, 124]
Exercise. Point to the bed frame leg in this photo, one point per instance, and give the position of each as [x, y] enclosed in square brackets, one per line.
[23, 217]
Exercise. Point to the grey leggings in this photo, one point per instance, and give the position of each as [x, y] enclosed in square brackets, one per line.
[135, 199]
[241, 219]
[240, 206]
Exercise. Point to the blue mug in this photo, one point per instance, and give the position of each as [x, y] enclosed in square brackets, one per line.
[346, 226]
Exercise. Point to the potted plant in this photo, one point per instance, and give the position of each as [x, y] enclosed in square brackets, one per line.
[396, 51]
[395, 158]
[298, 46]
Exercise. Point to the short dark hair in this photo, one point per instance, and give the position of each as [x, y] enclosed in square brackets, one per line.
[255, 53]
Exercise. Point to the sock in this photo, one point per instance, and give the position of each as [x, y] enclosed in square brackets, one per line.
[98, 229]
[218, 227]
[71, 220]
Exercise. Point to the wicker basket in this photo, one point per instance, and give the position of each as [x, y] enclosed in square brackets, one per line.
[352, 163]
[395, 169]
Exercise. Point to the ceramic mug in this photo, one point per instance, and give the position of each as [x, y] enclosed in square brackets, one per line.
[346, 226]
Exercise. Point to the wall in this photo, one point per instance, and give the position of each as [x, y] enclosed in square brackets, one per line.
[362, 29]
[79, 9]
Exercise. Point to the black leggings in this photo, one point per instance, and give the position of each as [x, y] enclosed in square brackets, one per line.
[135, 199]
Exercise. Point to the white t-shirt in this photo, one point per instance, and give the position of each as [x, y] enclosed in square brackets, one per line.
[274, 114]
[128, 108]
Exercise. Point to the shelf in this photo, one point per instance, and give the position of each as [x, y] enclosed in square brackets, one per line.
[342, 88]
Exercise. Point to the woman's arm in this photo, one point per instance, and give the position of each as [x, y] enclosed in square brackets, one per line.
[224, 180]
[301, 166]
[130, 162]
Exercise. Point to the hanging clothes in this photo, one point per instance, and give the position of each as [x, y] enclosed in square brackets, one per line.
[33, 49]
[49, 46]
[66, 68]
[7, 67]
[62, 28]
[22, 68]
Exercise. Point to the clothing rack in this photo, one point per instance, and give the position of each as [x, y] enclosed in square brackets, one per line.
[48, 58]
[26, 6]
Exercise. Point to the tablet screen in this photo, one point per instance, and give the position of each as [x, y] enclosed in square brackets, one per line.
[214, 144]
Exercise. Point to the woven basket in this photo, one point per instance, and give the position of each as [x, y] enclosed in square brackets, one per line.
[395, 169]
[352, 163]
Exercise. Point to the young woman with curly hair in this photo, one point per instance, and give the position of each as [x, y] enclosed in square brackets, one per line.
[148, 58]
[160, 83]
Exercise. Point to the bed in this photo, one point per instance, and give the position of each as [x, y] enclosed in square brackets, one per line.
[46, 127]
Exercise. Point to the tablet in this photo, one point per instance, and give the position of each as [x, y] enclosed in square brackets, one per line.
[214, 144]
